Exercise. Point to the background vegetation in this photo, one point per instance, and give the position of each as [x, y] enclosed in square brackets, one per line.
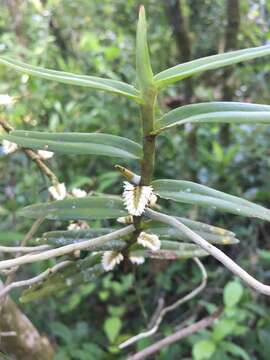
[98, 38]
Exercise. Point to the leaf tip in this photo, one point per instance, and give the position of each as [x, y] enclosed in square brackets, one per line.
[142, 11]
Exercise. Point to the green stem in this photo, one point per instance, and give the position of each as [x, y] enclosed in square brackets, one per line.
[147, 110]
[148, 118]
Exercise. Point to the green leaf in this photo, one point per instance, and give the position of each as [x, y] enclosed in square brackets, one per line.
[263, 254]
[220, 236]
[57, 241]
[232, 294]
[193, 67]
[219, 112]
[235, 350]
[62, 331]
[112, 327]
[143, 65]
[97, 83]
[170, 250]
[80, 272]
[77, 143]
[192, 193]
[203, 349]
[223, 328]
[89, 208]
[61, 238]
[181, 250]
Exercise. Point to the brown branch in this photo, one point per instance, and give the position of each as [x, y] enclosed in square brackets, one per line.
[32, 155]
[178, 335]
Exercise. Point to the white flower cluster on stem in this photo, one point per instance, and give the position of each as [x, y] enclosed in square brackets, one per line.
[59, 191]
[110, 259]
[150, 241]
[136, 198]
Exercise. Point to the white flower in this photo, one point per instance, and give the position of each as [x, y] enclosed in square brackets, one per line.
[125, 220]
[6, 99]
[78, 225]
[74, 226]
[150, 241]
[110, 259]
[9, 147]
[44, 154]
[138, 260]
[78, 193]
[136, 198]
[153, 200]
[58, 192]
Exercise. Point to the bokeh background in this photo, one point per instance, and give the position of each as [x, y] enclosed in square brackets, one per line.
[98, 38]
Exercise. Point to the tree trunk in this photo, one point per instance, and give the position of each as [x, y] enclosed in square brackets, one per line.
[232, 29]
[27, 344]
[181, 34]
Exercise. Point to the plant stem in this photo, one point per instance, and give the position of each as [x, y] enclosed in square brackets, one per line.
[148, 118]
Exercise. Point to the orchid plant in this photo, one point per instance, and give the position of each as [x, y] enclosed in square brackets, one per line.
[145, 230]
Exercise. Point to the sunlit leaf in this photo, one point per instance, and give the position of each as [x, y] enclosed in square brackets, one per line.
[92, 207]
[223, 328]
[219, 112]
[143, 65]
[233, 292]
[193, 67]
[192, 193]
[112, 327]
[109, 85]
[203, 349]
[77, 143]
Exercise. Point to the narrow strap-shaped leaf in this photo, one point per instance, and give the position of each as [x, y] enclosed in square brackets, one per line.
[73, 275]
[77, 143]
[169, 233]
[200, 226]
[181, 247]
[193, 67]
[177, 254]
[113, 86]
[61, 238]
[172, 250]
[194, 225]
[192, 193]
[143, 65]
[219, 112]
[76, 234]
[92, 207]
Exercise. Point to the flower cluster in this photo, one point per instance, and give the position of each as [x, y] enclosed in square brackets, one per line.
[45, 155]
[136, 198]
[9, 147]
[58, 191]
[110, 259]
[150, 241]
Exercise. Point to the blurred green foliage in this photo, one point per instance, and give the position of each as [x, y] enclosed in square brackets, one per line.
[97, 38]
